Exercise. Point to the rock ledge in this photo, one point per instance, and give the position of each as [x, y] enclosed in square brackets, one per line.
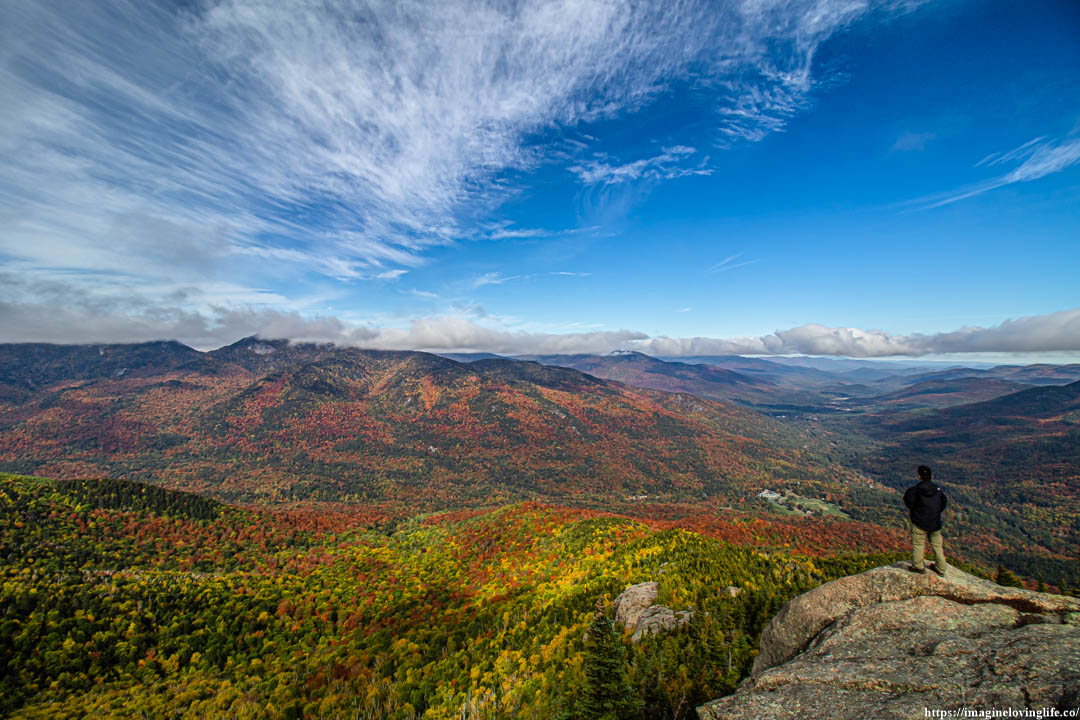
[889, 643]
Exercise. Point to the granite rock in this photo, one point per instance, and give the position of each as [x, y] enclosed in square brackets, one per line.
[659, 619]
[889, 643]
[632, 602]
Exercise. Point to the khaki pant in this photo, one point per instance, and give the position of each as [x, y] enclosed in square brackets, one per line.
[918, 548]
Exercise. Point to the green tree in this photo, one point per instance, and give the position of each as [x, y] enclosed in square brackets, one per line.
[607, 692]
[1007, 578]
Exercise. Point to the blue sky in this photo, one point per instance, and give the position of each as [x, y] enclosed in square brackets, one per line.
[843, 177]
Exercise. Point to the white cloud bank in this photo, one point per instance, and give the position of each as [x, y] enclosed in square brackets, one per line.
[51, 312]
[1054, 332]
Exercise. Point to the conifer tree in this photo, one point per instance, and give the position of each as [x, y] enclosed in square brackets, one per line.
[607, 693]
[1007, 578]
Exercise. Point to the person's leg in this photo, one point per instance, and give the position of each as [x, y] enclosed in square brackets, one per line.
[939, 553]
[918, 547]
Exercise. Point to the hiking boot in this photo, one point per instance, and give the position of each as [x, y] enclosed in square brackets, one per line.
[921, 571]
[940, 572]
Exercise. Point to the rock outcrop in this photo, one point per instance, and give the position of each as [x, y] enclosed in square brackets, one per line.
[633, 601]
[889, 643]
[659, 619]
[635, 612]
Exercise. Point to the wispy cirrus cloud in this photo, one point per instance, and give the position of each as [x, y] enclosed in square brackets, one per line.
[670, 163]
[1019, 153]
[517, 233]
[493, 278]
[347, 139]
[1033, 160]
[730, 263]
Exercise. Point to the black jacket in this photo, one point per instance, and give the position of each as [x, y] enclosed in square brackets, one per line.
[925, 501]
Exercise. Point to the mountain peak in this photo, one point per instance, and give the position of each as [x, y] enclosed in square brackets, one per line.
[258, 344]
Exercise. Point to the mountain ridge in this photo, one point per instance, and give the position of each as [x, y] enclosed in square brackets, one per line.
[277, 420]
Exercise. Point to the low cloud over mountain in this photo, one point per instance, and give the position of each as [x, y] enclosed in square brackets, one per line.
[78, 317]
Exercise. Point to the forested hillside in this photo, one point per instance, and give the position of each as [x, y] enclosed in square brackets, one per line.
[1011, 466]
[283, 424]
[132, 602]
[278, 422]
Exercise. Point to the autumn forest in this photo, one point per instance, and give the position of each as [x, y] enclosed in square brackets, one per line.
[288, 530]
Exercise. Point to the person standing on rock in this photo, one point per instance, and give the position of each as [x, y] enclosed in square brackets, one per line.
[925, 501]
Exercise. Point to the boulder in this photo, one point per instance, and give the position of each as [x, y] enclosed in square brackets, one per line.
[889, 643]
[632, 602]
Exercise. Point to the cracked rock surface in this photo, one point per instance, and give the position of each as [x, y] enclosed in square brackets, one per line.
[635, 612]
[888, 643]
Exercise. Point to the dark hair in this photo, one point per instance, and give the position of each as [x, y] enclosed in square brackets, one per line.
[924, 473]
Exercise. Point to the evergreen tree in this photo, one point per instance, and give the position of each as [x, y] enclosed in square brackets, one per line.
[1007, 578]
[607, 692]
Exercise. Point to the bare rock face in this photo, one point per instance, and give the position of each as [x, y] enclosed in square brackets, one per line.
[889, 643]
[659, 619]
[632, 602]
[635, 612]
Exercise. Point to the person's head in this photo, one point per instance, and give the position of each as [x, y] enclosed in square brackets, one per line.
[924, 473]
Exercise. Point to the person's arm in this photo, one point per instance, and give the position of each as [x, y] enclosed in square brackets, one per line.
[944, 501]
[909, 497]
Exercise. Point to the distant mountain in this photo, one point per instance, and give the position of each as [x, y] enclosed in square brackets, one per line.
[32, 365]
[274, 421]
[27, 367]
[471, 357]
[775, 372]
[947, 375]
[845, 364]
[1050, 404]
[645, 371]
[945, 393]
[1041, 374]
[1011, 463]
[789, 387]
[837, 365]
[260, 356]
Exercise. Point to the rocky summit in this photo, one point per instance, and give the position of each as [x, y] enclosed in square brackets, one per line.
[889, 643]
[636, 613]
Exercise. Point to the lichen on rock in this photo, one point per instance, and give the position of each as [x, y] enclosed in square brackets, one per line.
[888, 643]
